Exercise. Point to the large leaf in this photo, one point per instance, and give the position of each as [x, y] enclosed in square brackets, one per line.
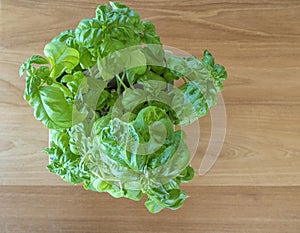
[51, 107]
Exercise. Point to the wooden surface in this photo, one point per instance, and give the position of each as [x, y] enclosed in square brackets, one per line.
[255, 184]
[209, 209]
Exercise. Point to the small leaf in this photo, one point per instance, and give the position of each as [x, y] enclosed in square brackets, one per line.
[153, 206]
[28, 65]
[37, 59]
[64, 36]
[61, 57]
[102, 12]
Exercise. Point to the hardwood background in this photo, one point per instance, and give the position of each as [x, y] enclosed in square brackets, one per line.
[253, 187]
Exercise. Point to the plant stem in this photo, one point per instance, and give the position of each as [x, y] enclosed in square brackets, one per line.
[120, 80]
[118, 88]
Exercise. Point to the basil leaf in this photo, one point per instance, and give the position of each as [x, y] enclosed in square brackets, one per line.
[64, 36]
[89, 32]
[153, 205]
[61, 57]
[133, 98]
[28, 65]
[102, 12]
[217, 71]
[51, 107]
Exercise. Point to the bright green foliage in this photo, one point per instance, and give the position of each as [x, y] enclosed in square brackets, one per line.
[104, 91]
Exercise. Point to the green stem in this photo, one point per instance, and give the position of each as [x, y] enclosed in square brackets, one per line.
[121, 80]
[118, 88]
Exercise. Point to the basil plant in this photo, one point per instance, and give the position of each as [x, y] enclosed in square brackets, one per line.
[105, 91]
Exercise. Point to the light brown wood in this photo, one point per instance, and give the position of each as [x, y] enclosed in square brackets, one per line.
[209, 210]
[259, 44]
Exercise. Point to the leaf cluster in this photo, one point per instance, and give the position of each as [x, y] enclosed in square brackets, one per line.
[105, 92]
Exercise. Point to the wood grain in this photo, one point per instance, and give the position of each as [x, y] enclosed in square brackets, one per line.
[259, 44]
[210, 209]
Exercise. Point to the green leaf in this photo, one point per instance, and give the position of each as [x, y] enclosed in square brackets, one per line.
[217, 71]
[43, 72]
[28, 65]
[153, 84]
[154, 54]
[150, 36]
[63, 162]
[73, 81]
[51, 107]
[102, 12]
[132, 98]
[135, 195]
[31, 88]
[187, 174]
[64, 36]
[154, 128]
[153, 205]
[60, 138]
[100, 124]
[61, 57]
[206, 79]
[37, 59]
[136, 61]
[86, 58]
[125, 135]
[194, 96]
[90, 32]
[176, 163]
